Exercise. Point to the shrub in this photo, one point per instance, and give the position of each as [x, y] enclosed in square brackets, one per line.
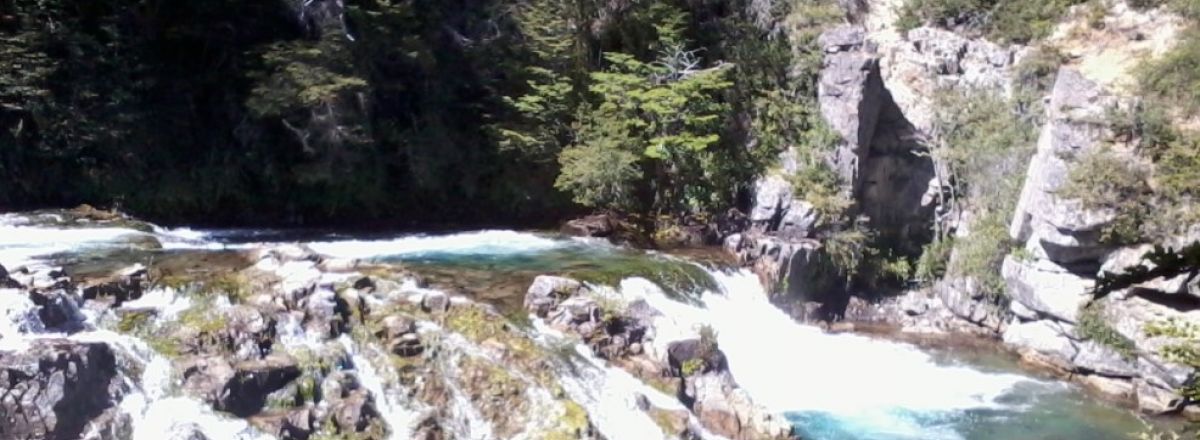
[1102, 180]
[848, 248]
[980, 256]
[1014, 21]
[1174, 78]
[935, 256]
[1036, 72]
[1092, 326]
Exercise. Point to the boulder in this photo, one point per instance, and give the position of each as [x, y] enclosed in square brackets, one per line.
[680, 353]
[1100, 359]
[240, 389]
[55, 388]
[1046, 288]
[434, 301]
[249, 332]
[726, 410]
[1042, 342]
[547, 292]
[124, 286]
[58, 309]
[400, 335]
[596, 225]
[964, 299]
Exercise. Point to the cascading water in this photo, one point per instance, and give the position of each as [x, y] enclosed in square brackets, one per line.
[831, 386]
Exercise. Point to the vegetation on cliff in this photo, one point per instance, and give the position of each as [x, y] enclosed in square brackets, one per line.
[314, 112]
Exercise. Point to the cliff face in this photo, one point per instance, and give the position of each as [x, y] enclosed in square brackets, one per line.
[877, 92]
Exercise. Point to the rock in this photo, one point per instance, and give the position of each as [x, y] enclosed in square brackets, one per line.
[1041, 342]
[772, 198]
[55, 388]
[680, 353]
[964, 299]
[1115, 388]
[325, 313]
[1103, 360]
[294, 424]
[1046, 288]
[1067, 232]
[355, 411]
[249, 332]
[364, 283]
[239, 389]
[931, 58]
[849, 86]
[125, 286]
[58, 310]
[726, 410]
[575, 311]
[596, 225]
[1125, 258]
[547, 292]
[1154, 400]
[399, 334]
[434, 301]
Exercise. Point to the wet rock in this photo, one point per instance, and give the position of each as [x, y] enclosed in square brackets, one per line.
[351, 408]
[58, 309]
[125, 286]
[293, 424]
[249, 332]
[325, 313]
[597, 225]
[400, 335]
[112, 424]
[240, 389]
[354, 412]
[364, 283]
[6, 282]
[727, 410]
[435, 302]
[689, 351]
[55, 388]
[547, 292]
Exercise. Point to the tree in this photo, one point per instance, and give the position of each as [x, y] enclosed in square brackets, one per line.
[667, 115]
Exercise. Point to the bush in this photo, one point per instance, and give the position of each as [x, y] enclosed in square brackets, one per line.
[1174, 78]
[1036, 72]
[1013, 21]
[931, 266]
[1102, 180]
[1092, 326]
[980, 256]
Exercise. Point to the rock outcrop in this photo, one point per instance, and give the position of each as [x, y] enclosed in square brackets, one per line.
[54, 388]
[1050, 287]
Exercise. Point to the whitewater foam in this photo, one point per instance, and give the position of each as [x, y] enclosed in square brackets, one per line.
[875, 389]
[493, 242]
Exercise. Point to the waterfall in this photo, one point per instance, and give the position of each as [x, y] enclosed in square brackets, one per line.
[865, 388]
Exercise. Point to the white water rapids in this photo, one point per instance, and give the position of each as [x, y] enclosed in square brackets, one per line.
[870, 388]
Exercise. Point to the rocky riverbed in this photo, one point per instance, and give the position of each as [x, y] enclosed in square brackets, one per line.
[117, 329]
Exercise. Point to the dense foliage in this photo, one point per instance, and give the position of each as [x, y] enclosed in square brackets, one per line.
[403, 111]
[1003, 21]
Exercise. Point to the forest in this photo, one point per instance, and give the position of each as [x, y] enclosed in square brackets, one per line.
[399, 113]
